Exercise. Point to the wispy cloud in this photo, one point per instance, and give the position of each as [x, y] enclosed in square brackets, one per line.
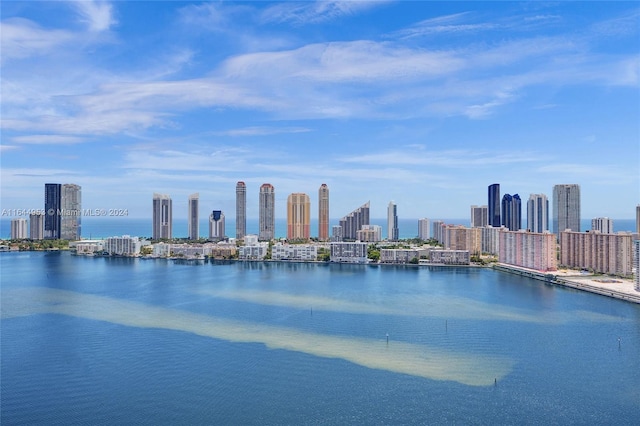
[262, 131]
[97, 15]
[47, 139]
[22, 38]
[299, 13]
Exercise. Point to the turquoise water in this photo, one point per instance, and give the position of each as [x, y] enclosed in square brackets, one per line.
[109, 340]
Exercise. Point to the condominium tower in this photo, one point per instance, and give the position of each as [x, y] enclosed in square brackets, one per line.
[52, 208]
[602, 224]
[36, 226]
[392, 222]
[266, 212]
[493, 205]
[479, 216]
[512, 212]
[216, 225]
[298, 216]
[566, 208]
[194, 217]
[241, 210]
[538, 213]
[423, 229]
[323, 212]
[71, 209]
[18, 229]
[162, 217]
[352, 223]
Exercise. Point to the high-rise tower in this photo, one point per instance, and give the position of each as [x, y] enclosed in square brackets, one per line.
[538, 213]
[241, 210]
[216, 225]
[267, 219]
[566, 208]
[193, 216]
[479, 216]
[392, 222]
[323, 212]
[512, 212]
[52, 209]
[71, 209]
[493, 205]
[298, 216]
[162, 217]
[352, 223]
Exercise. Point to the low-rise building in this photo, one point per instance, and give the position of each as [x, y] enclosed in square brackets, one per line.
[122, 246]
[281, 251]
[450, 257]
[256, 251]
[399, 255]
[369, 233]
[349, 252]
[89, 248]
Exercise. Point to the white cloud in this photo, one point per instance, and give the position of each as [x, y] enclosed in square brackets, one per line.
[299, 13]
[22, 38]
[97, 15]
[47, 139]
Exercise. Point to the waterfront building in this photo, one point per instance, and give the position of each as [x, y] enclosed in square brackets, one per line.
[253, 249]
[538, 213]
[493, 205]
[491, 239]
[71, 212]
[18, 229]
[638, 219]
[450, 257]
[122, 246]
[598, 252]
[479, 216]
[89, 248]
[162, 217]
[323, 213]
[241, 210]
[36, 226]
[531, 250]
[566, 208]
[511, 212]
[423, 229]
[400, 255]
[349, 252]
[52, 209]
[369, 233]
[307, 252]
[602, 224]
[298, 217]
[336, 233]
[193, 216]
[636, 259]
[353, 222]
[458, 237]
[266, 211]
[438, 231]
[190, 251]
[392, 222]
[223, 250]
[216, 226]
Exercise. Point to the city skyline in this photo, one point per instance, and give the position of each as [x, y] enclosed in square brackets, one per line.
[418, 102]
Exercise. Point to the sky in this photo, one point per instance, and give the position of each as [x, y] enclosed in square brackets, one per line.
[420, 103]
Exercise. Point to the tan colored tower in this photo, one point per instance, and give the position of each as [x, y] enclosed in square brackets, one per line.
[323, 213]
[298, 216]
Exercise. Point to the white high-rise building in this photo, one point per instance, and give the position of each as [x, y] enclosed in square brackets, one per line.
[18, 229]
[538, 213]
[162, 217]
[392, 222]
[479, 216]
[216, 226]
[36, 226]
[423, 229]
[71, 211]
[241, 210]
[193, 216]
[602, 224]
[636, 259]
[566, 208]
[266, 211]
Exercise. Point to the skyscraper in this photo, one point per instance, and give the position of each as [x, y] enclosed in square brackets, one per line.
[638, 221]
[512, 212]
[602, 224]
[36, 226]
[493, 205]
[479, 216]
[241, 210]
[538, 213]
[52, 210]
[423, 229]
[267, 219]
[18, 229]
[193, 216]
[216, 225]
[353, 222]
[71, 209]
[323, 212]
[392, 222]
[298, 216]
[162, 217]
[566, 208]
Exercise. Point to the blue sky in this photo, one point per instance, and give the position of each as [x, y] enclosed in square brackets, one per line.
[423, 103]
